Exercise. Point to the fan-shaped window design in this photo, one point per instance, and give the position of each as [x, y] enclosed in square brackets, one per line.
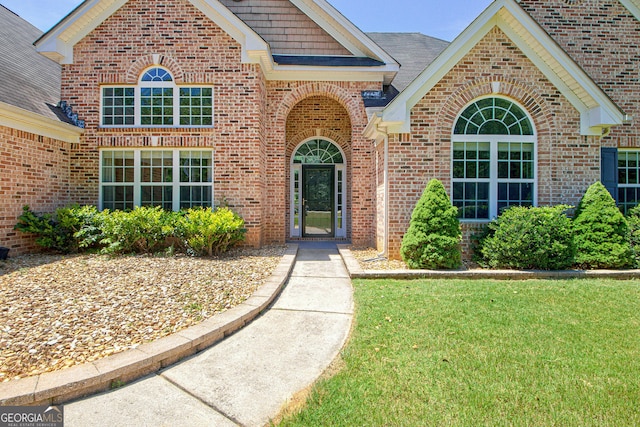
[493, 163]
[493, 116]
[318, 151]
[157, 101]
[156, 75]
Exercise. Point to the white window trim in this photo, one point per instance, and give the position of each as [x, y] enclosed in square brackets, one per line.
[137, 183]
[157, 84]
[339, 232]
[493, 179]
[626, 185]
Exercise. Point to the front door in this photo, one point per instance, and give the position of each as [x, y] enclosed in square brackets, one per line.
[318, 210]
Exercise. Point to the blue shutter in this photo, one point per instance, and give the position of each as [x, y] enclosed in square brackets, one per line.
[609, 170]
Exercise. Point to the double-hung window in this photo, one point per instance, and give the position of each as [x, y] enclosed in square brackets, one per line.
[172, 179]
[628, 179]
[493, 159]
[156, 101]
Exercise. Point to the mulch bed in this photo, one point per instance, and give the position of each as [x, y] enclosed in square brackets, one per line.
[58, 311]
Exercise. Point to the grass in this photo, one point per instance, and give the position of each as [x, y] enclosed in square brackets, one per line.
[499, 353]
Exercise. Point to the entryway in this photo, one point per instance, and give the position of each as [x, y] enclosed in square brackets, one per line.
[318, 212]
[318, 190]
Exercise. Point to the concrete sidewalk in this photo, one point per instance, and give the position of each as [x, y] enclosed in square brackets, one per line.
[248, 377]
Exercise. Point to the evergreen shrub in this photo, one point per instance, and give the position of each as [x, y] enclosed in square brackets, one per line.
[529, 238]
[633, 220]
[433, 238]
[601, 231]
[211, 232]
[57, 231]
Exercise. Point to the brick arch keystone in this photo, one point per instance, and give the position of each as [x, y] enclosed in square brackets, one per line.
[519, 91]
[140, 64]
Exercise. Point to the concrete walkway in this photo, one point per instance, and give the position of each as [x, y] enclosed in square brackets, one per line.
[248, 377]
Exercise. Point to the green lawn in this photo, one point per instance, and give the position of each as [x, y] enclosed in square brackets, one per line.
[498, 353]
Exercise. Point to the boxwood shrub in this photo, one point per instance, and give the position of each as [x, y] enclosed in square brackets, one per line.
[633, 220]
[529, 238]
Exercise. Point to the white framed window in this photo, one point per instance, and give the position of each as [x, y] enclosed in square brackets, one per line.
[156, 101]
[628, 179]
[172, 179]
[493, 162]
[318, 152]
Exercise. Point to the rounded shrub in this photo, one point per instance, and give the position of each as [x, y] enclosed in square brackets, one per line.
[433, 238]
[633, 220]
[529, 238]
[601, 231]
[211, 232]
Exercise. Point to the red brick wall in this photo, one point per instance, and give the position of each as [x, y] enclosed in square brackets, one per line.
[603, 37]
[249, 137]
[567, 162]
[196, 51]
[337, 102]
[34, 171]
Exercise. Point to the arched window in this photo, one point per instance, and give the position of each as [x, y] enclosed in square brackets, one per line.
[318, 151]
[157, 101]
[493, 159]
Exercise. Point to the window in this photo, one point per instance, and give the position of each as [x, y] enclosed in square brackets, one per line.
[493, 159]
[156, 102]
[628, 179]
[172, 179]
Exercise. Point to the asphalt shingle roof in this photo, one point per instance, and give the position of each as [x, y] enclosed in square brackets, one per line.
[414, 52]
[28, 79]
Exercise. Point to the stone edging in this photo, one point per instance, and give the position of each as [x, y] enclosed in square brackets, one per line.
[356, 272]
[81, 380]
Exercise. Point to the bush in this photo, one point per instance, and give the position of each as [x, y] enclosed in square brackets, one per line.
[433, 238]
[601, 231]
[633, 220]
[87, 222]
[211, 232]
[53, 231]
[529, 238]
[142, 230]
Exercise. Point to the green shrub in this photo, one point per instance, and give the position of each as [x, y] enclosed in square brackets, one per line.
[87, 222]
[53, 231]
[211, 232]
[142, 230]
[633, 220]
[433, 238]
[601, 231]
[529, 238]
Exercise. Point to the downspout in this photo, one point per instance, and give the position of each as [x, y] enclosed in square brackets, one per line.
[385, 250]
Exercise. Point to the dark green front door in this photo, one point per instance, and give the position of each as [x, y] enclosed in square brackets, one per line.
[318, 210]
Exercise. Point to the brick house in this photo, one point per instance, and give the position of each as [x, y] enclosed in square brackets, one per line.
[310, 128]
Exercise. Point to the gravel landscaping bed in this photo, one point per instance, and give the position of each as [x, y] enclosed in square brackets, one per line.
[58, 311]
[369, 259]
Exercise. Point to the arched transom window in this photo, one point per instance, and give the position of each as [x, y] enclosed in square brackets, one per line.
[493, 159]
[157, 101]
[318, 151]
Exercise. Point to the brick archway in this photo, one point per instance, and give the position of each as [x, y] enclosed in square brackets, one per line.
[140, 64]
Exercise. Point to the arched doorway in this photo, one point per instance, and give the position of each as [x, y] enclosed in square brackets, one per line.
[318, 190]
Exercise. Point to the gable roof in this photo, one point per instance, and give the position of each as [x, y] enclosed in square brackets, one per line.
[597, 110]
[30, 88]
[58, 42]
